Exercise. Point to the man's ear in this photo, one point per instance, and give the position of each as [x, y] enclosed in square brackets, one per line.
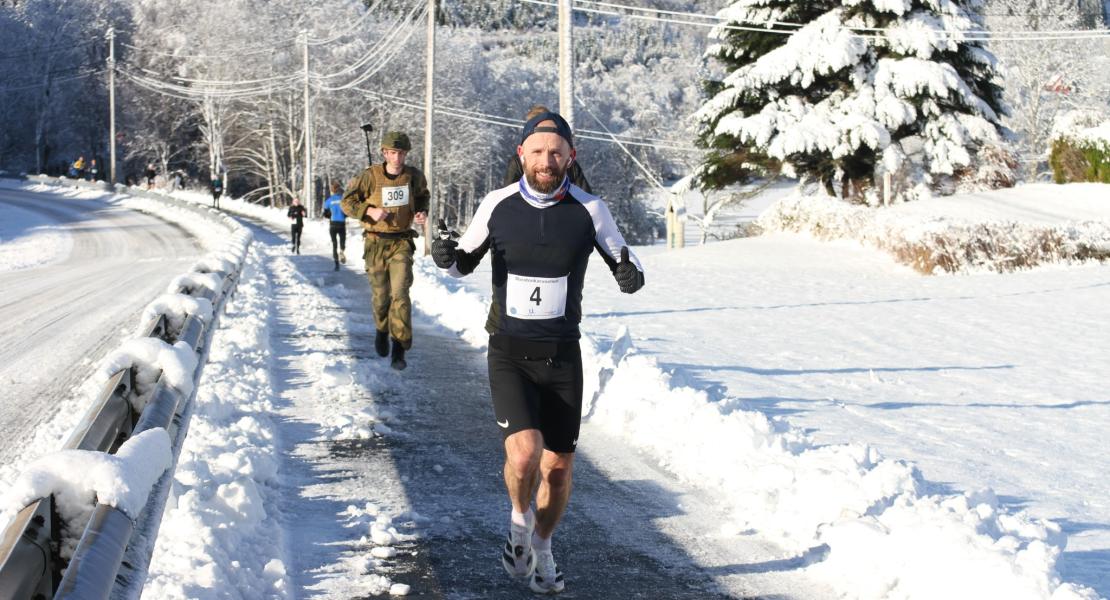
[573, 156]
[520, 154]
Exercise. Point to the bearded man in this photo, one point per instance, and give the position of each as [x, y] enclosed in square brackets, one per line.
[540, 232]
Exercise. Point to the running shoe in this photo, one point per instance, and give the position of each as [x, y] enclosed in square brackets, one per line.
[517, 556]
[342, 257]
[547, 578]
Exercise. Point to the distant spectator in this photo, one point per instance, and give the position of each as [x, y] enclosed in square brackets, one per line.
[94, 171]
[78, 168]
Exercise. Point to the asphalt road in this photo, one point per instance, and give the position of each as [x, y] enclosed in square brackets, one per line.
[58, 319]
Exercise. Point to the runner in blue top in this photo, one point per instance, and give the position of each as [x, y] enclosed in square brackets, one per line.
[338, 226]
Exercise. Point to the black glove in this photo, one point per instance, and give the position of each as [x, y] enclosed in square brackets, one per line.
[629, 278]
[327, 213]
[443, 249]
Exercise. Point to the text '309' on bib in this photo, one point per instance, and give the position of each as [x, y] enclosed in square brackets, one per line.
[395, 196]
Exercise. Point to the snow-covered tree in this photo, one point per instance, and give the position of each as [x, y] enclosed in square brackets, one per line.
[843, 91]
[1045, 78]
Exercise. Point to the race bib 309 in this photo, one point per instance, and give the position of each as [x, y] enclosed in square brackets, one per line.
[395, 196]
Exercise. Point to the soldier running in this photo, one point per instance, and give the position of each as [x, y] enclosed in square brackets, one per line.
[388, 199]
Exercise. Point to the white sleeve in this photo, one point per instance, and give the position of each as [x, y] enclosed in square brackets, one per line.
[477, 233]
[608, 237]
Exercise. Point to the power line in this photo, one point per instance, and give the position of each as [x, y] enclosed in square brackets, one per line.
[651, 176]
[51, 48]
[196, 93]
[231, 53]
[350, 30]
[53, 81]
[773, 23]
[958, 36]
[376, 49]
[508, 122]
[385, 58]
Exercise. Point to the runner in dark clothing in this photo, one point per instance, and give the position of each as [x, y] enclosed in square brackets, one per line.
[539, 233]
[337, 224]
[297, 213]
[217, 188]
[150, 174]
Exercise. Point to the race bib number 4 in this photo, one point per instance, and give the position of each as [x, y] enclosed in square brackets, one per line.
[536, 297]
[395, 196]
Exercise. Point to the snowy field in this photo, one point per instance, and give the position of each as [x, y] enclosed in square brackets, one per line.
[897, 435]
[983, 382]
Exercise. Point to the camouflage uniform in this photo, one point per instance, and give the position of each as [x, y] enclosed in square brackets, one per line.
[388, 247]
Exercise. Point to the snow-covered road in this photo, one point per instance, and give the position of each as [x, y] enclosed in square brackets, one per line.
[431, 470]
[61, 314]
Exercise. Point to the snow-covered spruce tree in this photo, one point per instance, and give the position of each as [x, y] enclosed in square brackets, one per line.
[841, 91]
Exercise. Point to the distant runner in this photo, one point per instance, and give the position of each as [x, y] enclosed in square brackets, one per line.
[217, 188]
[337, 224]
[297, 213]
[539, 232]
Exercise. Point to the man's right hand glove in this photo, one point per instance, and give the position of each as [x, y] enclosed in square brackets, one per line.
[443, 249]
[629, 278]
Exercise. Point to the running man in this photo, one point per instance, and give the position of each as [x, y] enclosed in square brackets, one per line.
[539, 233]
[387, 199]
[297, 213]
[337, 224]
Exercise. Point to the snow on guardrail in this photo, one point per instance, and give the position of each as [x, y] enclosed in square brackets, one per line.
[88, 486]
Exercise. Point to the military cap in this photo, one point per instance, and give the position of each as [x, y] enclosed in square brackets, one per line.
[396, 140]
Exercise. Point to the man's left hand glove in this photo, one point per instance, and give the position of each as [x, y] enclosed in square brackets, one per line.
[443, 249]
[629, 278]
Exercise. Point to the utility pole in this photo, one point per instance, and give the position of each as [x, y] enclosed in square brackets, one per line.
[112, 105]
[566, 61]
[429, 105]
[307, 200]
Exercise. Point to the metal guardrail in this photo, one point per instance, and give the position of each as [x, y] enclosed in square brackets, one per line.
[110, 559]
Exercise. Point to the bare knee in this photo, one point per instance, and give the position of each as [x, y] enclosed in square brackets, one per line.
[557, 471]
[522, 454]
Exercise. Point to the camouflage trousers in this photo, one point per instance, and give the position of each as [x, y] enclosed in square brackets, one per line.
[389, 267]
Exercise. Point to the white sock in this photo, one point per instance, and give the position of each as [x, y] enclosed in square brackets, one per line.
[524, 519]
[539, 543]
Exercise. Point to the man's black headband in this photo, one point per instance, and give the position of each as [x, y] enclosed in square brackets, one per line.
[562, 128]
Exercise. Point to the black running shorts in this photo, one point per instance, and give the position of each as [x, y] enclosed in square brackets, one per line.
[537, 392]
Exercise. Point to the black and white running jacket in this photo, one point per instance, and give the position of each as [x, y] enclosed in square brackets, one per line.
[539, 246]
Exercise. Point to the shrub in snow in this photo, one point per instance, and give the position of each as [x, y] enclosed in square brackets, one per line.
[844, 91]
[941, 244]
[1080, 149]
